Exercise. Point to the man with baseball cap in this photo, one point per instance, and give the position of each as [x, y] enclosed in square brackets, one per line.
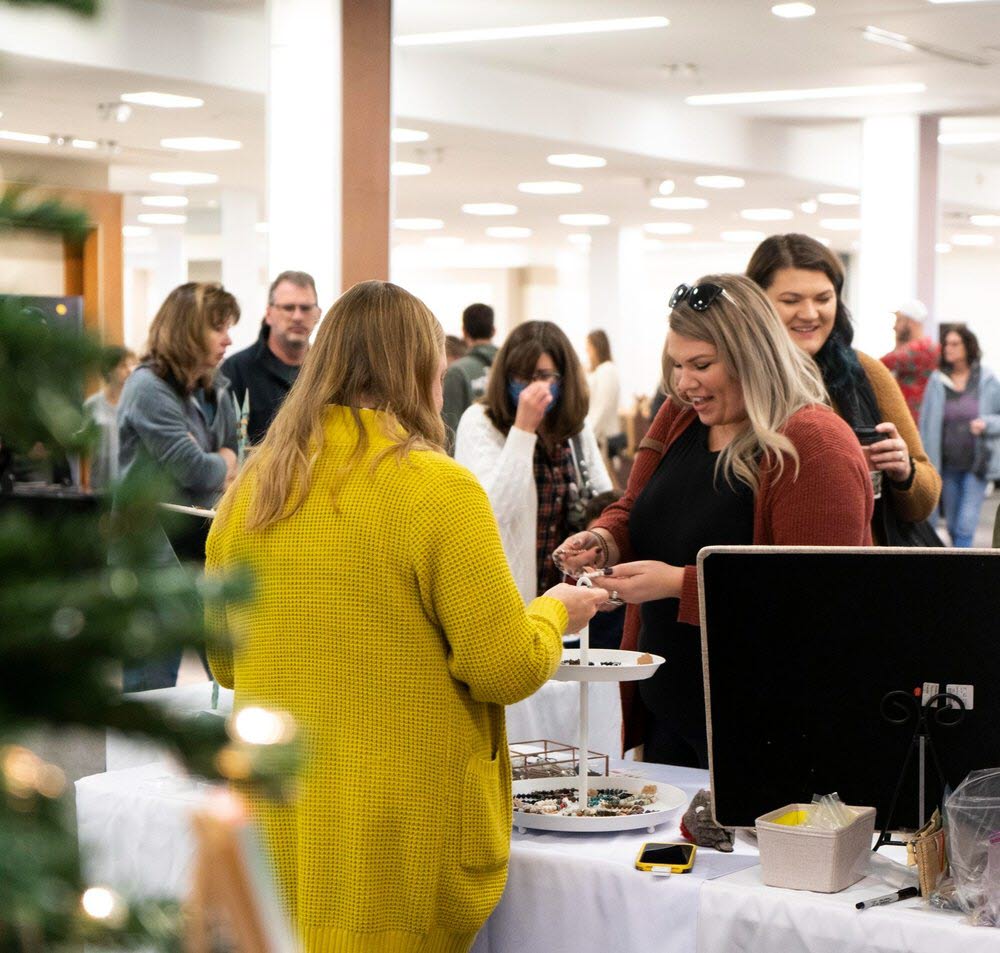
[916, 356]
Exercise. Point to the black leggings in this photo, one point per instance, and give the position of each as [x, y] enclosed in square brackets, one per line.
[666, 743]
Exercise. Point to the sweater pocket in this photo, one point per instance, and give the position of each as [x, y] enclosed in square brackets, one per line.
[486, 815]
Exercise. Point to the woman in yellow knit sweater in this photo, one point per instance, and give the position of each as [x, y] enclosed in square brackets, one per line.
[386, 622]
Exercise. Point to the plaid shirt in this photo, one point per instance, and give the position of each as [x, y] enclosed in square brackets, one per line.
[912, 365]
[553, 475]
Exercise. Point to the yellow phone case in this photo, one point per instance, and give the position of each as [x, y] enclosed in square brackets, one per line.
[673, 868]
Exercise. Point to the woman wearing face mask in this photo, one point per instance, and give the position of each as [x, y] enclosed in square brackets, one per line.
[804, 281]
[520, 442]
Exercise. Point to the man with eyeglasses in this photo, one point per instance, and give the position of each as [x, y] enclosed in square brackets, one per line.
[267, 369]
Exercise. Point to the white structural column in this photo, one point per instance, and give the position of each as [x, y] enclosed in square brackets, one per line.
[616, 281]
[898, 222]
[240, 262]
[304, 140]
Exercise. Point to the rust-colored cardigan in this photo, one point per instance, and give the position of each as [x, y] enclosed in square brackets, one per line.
[829, 503]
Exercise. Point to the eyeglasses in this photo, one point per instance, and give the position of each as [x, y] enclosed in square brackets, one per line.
[290, 309]
[700, 297]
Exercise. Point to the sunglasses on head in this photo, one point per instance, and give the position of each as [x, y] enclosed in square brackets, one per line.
[700, 297]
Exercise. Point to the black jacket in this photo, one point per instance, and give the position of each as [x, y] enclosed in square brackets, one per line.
[266, 377]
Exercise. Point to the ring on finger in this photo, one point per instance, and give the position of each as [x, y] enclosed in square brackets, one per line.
[614, 595]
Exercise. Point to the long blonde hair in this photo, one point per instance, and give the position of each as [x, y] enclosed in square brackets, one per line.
[776, 376]
[177, 345]
[378, 347]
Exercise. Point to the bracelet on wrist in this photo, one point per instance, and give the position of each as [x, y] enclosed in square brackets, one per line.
[602, 544]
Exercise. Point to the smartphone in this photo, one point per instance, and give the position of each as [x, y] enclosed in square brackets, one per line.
[679, 858]
[869, 435]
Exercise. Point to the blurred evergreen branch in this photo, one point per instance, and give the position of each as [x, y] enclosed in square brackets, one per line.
[19, 210]
[83, 7]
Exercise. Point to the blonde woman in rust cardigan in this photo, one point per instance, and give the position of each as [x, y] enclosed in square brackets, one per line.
[743, 451]
[804, 281]
[386, 622]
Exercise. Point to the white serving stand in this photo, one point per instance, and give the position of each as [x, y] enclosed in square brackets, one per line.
[627, 669]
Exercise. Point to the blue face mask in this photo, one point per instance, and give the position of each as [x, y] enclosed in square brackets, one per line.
[516, 388]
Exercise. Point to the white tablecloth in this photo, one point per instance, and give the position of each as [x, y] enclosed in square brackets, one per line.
[738, 914]
[582, 893]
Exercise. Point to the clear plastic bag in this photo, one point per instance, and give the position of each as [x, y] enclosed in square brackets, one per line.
[829, 813]
[971, 817]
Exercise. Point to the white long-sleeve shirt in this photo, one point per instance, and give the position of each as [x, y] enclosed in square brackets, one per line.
[504, 465]
[605, 395]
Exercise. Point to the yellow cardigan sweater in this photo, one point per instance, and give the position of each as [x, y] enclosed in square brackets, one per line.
[921, 498]
[389, 626]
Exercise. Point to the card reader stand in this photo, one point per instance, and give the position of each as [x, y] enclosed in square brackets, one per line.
[901, 708]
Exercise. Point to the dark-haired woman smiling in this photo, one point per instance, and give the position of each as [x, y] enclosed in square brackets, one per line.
[804, 281]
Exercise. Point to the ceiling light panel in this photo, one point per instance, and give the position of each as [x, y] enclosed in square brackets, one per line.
[489, 208]
[678, 203]
[574, 28]
[162, 100]
[799, 95]
[201, 144]
[577, 160]
[12, 136]
[165, 201]
[793, 11]
[161, 218]
[667, 187]
[84, 143]
[418, 224]
[410, 168]
[809, 206]
[409, 135]
[719, 181]
[887, 38]
[184, 178]
[972, 240]
[553, 187]
[986, 221]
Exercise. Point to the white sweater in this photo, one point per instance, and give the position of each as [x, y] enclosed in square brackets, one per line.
[605, 395]
[505, 468]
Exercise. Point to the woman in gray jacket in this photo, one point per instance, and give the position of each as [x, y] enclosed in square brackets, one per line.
[960, 428]
[177, 424]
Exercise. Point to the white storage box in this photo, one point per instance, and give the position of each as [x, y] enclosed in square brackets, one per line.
[803, 858]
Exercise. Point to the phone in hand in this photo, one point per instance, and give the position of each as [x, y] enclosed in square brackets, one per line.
[677, 858]
[869, 435]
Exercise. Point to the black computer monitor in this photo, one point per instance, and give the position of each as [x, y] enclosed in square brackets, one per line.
[801, 646]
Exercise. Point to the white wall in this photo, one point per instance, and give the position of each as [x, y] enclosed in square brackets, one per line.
[31, 263]
[969, 291]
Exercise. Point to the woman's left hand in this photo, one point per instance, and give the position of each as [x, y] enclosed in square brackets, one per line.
[891, 455]
[642, 581]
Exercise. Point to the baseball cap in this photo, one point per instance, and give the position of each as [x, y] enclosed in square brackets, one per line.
[913, 308]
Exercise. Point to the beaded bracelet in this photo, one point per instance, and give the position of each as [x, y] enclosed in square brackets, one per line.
[603, 546]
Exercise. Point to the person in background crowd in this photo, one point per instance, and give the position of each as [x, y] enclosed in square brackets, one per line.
[177, 423]
[743, 451]
[266, 370]
[102, 408]
[960, 425]
[454, 348]
[465, 380]
[916, 355]
[605, 395]
[804, 282]
[386, 622]
[521, 440]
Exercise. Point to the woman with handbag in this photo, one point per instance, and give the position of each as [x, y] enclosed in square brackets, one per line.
[960, 425]
[804, 281]
[529, 445]
[743, 451]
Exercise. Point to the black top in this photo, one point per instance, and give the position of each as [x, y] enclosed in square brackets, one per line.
[268, 379]
[681, 509]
